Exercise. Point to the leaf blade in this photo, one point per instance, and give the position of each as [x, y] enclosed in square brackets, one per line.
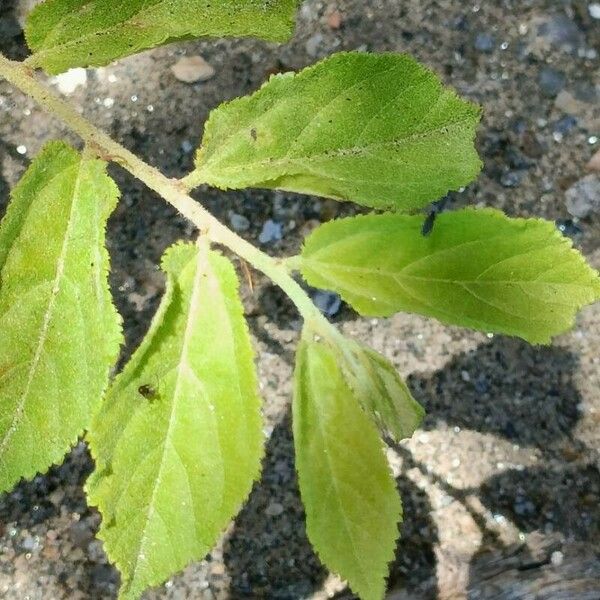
[54, 370]
[478, 269]
[200, 435]
[82, 33]
[352, 505]
[379, 130]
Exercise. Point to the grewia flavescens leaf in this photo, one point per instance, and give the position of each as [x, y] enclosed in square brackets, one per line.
[377, 129]
[379, 389]
[59, 332]
[478, 268]
[82, 33]
[179, 439]
[352, 505]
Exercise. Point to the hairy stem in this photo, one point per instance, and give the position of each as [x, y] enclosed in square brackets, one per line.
[172, 190]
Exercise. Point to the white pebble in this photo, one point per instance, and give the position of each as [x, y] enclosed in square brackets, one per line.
[594, 9]
[192, 69]
[69, 81]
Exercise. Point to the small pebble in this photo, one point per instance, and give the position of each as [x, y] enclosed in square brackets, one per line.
[551, 81]
[69, 81]
[192, 69]
[271, 232]
[335, 19]
[557, 558]
[594, 10]
[187, 146]
[328, 303]
[274, 509]
[313, 44]
[511, 179]
[594, 163]
[484, 42]
[583, 197]
[239, 222]
[562, 32]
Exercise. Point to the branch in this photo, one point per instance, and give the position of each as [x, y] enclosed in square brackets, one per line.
[171, 190]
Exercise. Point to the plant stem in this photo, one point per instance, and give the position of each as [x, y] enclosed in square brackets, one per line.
[172, 190]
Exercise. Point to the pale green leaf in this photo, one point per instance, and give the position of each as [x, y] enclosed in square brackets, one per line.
[352, 505]
[179, 440]
[377, 129]
[59, 332]
[82, 33]
[478, 269]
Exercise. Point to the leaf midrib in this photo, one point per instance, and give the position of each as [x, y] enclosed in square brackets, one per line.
[396, 275]
[329, 153]
[182, 365]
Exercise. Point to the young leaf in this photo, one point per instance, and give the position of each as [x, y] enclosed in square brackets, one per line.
[352, 505]
[83, 33]
[477, 269]
[178, 441]
[380, 390]
[59, 332]
[377, 129]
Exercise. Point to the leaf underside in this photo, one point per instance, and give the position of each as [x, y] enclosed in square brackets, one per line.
[478, 269]
[380, 390]
[179, 440]
[352, 505]
[59, 332]
[376, 129]
[85, 33]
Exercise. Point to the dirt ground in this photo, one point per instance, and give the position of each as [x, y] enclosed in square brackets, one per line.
[501, 487]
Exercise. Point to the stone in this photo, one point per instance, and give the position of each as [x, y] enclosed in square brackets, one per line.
[594, 163]
[583, 198]
[561, 32]
[551, 81]
[594, 10]
[335, 19]
[69, 81]
[271, 232]
[192, 69]
[313, 45]
[329, 303]
[512, 179]
[239, 222]
[274, 509]
[484, 42]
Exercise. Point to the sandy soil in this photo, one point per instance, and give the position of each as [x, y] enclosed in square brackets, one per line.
[502, 485]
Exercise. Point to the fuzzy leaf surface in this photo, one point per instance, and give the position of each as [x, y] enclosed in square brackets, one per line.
[352, 505]
[376, 129]
[59, 332]
[478, 269]
[179, 440]
[85, 33]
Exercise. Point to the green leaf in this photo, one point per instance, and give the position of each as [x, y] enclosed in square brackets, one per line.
[179, 440]
[377, 129]
[380, 390]
[59, 332]
[478, 269]
[352, 505]
[82, 33]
